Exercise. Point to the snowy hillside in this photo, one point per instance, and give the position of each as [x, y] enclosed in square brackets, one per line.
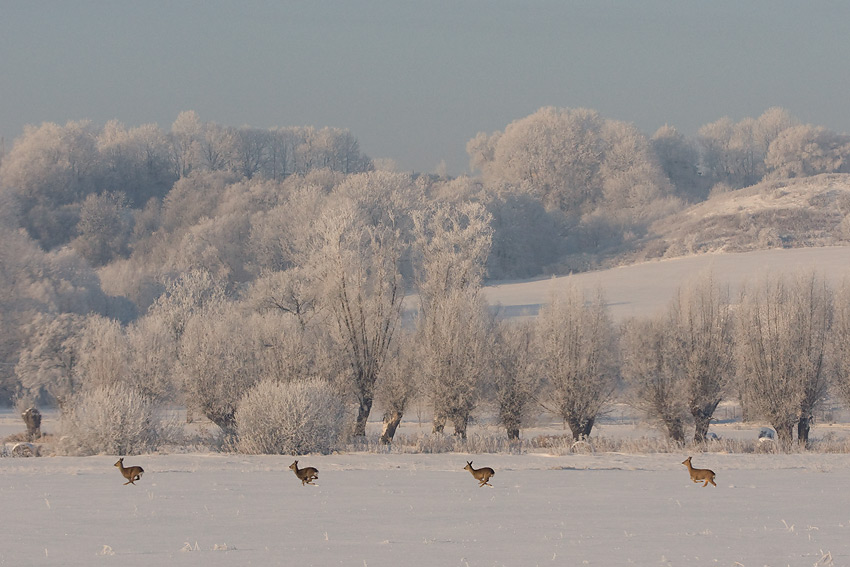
[644, 288]
[792, 213]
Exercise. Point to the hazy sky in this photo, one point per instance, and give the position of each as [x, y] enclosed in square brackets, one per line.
[415, 80]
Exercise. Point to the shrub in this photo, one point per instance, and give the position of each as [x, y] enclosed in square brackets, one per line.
[294, 418]
[112, 419]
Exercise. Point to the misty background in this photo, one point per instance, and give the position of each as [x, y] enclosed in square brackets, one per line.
[416, 81]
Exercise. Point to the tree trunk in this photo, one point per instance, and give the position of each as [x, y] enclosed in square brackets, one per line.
[803, 428]
[702, 420]
[391, 422]
[32, 418]
[511, 423]
[460, 423]
[581, 427]
[675, 429]
[363, 416]
[225, 421]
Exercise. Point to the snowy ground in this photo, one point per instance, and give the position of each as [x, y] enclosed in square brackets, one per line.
[375, 509]
[424, 510]
[644, 289]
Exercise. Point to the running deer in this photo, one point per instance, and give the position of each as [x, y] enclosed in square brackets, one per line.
[482, 475]
[307, 474]
[699, 475]
[132, 474]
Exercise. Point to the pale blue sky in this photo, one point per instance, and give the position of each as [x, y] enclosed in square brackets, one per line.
[415, 80]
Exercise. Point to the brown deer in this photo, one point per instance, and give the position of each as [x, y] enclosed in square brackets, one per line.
[699, 475]
[307, 474]
[132, 474]
[482, 475]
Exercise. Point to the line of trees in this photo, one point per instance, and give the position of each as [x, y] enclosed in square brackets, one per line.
[129, 254]
[778, 349]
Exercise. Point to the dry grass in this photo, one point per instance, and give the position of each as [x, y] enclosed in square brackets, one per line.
[792, 213]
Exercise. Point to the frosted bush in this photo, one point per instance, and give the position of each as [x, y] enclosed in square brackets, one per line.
[298, 417]
[112, 419]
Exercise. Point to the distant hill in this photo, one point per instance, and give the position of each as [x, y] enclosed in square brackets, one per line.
[791, 213]
[774, 226]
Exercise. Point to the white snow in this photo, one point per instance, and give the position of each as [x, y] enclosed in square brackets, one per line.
[374, 510]
[645, 288]
[425, 510]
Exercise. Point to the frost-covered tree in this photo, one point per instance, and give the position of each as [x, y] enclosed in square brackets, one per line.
[679, 158]
[187, 134]
[554, 154]
[807, 150]
[135, 161]
[398, 383]
[452, 244]
[630, 174]
[50, 168]
[572, 160]
[456, 338]
[49, 359]
[113, 419]
[290, 418]
[515, 379]
[454, 323]
[103, 352]
[293, 292]
[152, 359]
[734, 153]
[217, 362]
[358, 267]
[701, 322]
[652, 371]
[840, 348]
[781, 350]
[576, 357]
[104, 228]
[185, 295]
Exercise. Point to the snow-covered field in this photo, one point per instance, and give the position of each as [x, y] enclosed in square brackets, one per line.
[378, 509]
[424, 510]
[645, 288]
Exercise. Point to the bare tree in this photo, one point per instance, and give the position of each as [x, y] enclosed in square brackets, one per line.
[363, 293]
[782, 342]
[679, 159]
[840, 348]
[807, 150]
[50, 357]
[456, 336]
[398, 383]
[576, 351]
[652, 370]
[515, 380]
[218, 363]
[452, 242]
[701, 321]
[153, 358]
[104, 228]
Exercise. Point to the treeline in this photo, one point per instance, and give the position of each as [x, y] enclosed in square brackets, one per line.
[294, 250]
[295, 363]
